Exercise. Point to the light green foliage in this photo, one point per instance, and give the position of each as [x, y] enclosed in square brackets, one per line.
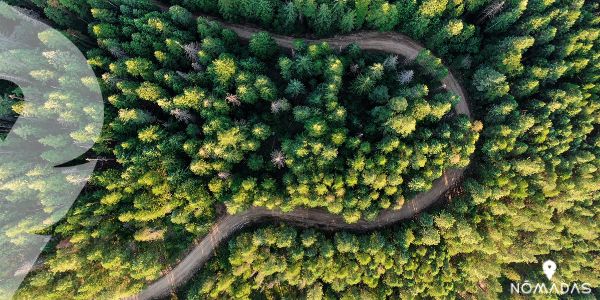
[490, 82]
[510, 52]
[223, 70]
[139, 67]
[384, 17]
[362, 9]
[311, 264]
[431, 8]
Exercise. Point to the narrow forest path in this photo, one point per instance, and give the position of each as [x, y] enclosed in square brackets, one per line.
[227, 225]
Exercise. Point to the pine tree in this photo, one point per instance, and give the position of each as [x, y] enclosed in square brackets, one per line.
[263, 46]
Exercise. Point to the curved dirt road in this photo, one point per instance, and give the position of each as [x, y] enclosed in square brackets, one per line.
[229, 224]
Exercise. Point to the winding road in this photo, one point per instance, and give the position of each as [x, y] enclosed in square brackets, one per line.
[227, 225]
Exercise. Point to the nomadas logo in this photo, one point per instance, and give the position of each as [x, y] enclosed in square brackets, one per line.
[541, 288]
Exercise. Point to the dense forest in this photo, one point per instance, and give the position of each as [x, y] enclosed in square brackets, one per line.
[9, 99]
[199, 123]
[313, 265]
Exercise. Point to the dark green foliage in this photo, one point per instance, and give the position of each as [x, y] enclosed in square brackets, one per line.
[181, 16]
[260, 11]
[383, 16]
[263, 46]
[432, 64]
[10, 98]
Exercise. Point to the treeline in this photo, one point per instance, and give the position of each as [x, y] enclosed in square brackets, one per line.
[327, 17]
[446, 26]
[307, 264]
